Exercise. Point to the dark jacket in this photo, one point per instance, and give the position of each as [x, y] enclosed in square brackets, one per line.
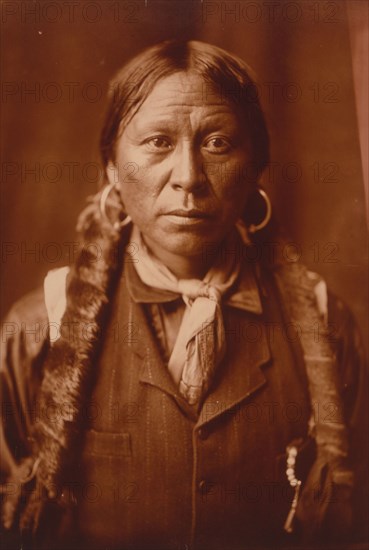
[152, 474]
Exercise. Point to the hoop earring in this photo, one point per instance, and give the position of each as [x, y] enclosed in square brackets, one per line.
[254, 228]
[102, 205]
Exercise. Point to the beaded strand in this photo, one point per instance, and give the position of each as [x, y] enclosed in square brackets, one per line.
[294, 482]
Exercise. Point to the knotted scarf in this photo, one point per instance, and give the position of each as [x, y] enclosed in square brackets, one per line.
[200, 345]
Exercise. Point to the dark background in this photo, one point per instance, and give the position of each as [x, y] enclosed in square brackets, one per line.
[305, 54]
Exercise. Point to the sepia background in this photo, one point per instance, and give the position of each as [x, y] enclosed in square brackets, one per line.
[312, 70]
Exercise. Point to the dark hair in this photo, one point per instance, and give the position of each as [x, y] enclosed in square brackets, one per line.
[227, 75]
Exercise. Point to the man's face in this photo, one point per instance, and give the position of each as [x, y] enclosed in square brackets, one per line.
[188, 187]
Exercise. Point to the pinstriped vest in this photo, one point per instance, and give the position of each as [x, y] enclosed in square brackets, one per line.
[154, 475]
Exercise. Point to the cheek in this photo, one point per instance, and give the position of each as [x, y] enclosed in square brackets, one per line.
[139, 196]
[131, 176]
[231, 188]
[133, 197]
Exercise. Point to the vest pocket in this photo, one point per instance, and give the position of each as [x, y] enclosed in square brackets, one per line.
[107, 444]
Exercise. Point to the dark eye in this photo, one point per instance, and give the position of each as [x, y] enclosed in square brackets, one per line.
[218, 145]
[160, 143]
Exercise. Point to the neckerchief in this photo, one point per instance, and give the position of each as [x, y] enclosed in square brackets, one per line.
[200, 345]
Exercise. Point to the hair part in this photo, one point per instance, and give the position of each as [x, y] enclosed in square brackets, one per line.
[226, 75]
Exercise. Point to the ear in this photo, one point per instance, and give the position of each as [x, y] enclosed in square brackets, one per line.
[112, 173]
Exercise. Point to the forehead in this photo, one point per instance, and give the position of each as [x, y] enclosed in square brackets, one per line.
[183, 93]
[185, 83]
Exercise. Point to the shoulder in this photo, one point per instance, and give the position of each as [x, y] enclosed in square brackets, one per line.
[344, 332]
[32, 317]
[336, 313]
[346, 343]
[341, 319]
[28, 325]
[26, 313]
[24, 332]
[298, 290]
[30, 307]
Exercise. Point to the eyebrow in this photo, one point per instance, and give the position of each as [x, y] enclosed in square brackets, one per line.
[155, 124]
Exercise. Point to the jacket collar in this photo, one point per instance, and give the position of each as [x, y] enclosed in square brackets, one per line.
[245, 295]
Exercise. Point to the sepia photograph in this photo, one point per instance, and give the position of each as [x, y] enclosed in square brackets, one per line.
[184, 275]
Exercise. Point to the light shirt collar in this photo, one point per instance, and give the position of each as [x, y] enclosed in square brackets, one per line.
[244, 295]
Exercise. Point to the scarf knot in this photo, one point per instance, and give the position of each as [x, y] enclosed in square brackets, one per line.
[193, 289]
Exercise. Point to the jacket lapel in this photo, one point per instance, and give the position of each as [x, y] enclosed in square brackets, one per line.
[241, 375]
[142, 344]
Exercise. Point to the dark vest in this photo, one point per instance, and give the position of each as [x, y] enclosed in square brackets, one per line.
[155, 475]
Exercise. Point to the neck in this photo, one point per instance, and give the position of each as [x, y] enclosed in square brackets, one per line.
[183, 267]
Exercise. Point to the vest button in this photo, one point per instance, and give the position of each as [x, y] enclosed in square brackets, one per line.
[204, 487]
[203, 433]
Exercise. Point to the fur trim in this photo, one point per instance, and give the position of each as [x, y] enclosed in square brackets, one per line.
[330, 477]
[297, 288]
[69, 367]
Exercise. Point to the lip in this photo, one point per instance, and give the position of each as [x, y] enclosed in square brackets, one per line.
[192, 213]
[187, 217]
[183, 220]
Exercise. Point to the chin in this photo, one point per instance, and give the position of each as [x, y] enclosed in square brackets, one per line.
[178, 243]
[185, 244]
[184, 241]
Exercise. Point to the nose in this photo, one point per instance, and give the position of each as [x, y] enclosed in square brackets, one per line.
[187, 174]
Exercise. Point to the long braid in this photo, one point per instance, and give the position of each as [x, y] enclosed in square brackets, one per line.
[70, 364]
